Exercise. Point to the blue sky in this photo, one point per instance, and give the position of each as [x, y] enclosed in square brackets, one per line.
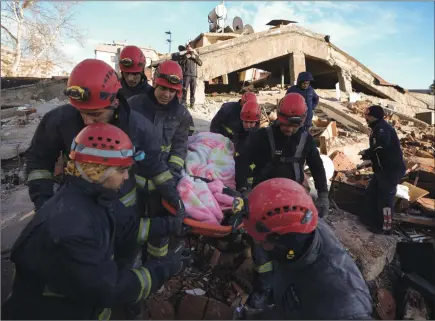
[394, 39]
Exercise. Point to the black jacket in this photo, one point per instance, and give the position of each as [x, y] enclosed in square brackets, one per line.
[189, 64]
[385, 152]
[172, 123]
[283, 162]
[142, 88]
[64, 259]
[324, 284]
[227, 120]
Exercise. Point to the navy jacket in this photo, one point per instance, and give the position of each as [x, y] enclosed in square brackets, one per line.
[227, 120]
[142, 88]
[309, 94]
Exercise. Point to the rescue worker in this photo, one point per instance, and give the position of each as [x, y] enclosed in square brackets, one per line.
[64, 256]
[388, 166]
[161, 107]
[189, 60]
[315, 278]
[227, 119]
[132, 64]
[180, 96]
[94, 98]
[311, 98]
[250, 117]
[290, 146]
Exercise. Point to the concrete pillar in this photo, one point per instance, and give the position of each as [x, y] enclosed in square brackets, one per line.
[345, 81]
[297, 65]
[200, 92]
[225, 79]
[282, 78]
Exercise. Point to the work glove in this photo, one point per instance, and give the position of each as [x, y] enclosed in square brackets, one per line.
[365, 154]
[322, 204]
[175, 171]
[168, 225]
[171, 195]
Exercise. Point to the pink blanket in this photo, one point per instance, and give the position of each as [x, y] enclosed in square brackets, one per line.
[204, 202]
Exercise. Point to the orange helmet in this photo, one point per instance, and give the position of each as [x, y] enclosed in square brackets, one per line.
[280, 206]
[104, 144]
[292, 109]
[250, 111]
[131, 59]
[92, 84]
[169, 74]
[247, 96]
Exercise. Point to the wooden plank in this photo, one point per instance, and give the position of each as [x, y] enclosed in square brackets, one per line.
[415, 192]
[419, 220]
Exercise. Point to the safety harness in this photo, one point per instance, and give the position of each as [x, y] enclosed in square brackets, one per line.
[277, 159]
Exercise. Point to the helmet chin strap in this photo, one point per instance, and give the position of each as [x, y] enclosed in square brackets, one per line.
[108, 172]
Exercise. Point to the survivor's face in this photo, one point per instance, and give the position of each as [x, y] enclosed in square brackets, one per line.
[132, 78]
[103, 115]
[305, 84]
[288, 130]
[164, 95]
[249, 124]
[116, 179]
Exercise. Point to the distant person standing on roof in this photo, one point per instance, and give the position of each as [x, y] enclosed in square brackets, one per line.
[312, 100]
[132, 65]
[188, 58]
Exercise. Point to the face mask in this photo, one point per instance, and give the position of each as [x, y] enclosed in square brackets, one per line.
[290, 247]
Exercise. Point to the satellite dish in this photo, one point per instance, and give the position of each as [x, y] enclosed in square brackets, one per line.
[247, 30]
[217, 17]
[238, 25]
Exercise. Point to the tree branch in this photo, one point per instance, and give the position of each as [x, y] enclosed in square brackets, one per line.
[9, 33]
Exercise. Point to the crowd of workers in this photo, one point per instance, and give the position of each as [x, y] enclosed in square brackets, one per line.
[101, 240]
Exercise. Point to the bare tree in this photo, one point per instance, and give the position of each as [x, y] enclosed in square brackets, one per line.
[37, 29]
[432, 88]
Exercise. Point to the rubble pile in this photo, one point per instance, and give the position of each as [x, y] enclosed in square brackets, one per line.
[214, 284]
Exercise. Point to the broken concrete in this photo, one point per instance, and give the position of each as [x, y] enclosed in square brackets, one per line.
[341, 114]
[370, 251]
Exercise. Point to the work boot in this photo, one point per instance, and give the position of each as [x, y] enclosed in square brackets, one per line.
[191, 105]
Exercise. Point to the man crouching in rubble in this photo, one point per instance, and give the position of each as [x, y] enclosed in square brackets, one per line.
[227, 120]
[132, 63]
[388, 166]
[281, 150]
[161, 107]
[64, 256]
[315, 278]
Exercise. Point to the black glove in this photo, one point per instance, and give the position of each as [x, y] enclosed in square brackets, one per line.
[175, 171]
[322, 204]
[365, 154]
[167, 225]
[171, 195]
[40, 201]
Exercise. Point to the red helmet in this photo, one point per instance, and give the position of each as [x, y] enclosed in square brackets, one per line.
[250, 111]
[247, 96]
[92, 84]
[170, 75]
[292, 109]
[280, 206]
[131, 59]
[103, 144]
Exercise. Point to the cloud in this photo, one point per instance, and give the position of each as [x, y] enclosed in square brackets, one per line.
[348, 24]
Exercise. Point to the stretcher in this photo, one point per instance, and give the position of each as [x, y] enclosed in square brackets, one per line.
[232, 223]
